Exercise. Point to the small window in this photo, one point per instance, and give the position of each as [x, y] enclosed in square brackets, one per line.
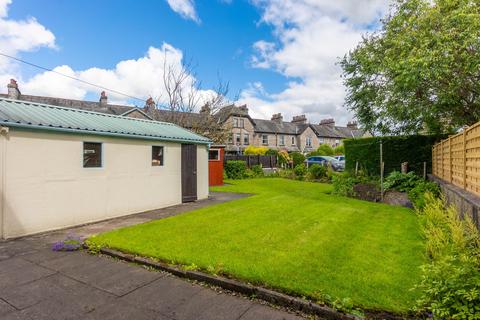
[241, 123]
[235, 122]
[308, 142]
[293, 141]
[265, 139]
[92, 155]
[157, 156]
[282, 140]
[214, 154]
[237, 138]
[246, 139]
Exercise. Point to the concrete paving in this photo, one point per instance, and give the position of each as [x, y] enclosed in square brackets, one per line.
[37, 283]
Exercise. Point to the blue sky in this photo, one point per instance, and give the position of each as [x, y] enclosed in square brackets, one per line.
[278, 56]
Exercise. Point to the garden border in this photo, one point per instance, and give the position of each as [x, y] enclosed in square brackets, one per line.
[236, 286]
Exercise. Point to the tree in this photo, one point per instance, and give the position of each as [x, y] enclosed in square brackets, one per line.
[420, 72]
[339, 150]
[325, 150]
[184, 96]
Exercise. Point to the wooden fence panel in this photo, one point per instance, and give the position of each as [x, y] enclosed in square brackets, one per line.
[252, 160]
[457, 159]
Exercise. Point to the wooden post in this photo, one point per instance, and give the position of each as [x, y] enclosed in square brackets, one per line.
[424, 170]
[450, 154]
[356, 168]
[381, 169]
[465, 159]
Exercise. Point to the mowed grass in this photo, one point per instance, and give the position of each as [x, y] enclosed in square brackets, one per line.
[294, 237]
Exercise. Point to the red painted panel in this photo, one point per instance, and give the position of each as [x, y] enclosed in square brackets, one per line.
[215, 169]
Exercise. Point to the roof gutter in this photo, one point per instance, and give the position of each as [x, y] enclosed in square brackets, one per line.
[3, 157]
[103, 133]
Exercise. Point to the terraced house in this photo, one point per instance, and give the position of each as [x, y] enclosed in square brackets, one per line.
[295, 135]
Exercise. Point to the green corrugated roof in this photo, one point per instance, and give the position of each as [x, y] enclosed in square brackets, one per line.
[22, 114]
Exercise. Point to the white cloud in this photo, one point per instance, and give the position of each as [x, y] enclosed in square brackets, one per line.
[20, 36]
[185, 8]
[310, 37]
[142, 77]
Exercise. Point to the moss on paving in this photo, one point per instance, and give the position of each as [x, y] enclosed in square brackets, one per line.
[295, 237]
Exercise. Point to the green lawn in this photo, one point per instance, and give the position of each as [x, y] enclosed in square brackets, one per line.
[295, 237]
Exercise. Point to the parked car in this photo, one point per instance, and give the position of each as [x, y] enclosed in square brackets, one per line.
[340, 158]
[326, 161]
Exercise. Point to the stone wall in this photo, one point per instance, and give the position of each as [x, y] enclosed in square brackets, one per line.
[466, 203]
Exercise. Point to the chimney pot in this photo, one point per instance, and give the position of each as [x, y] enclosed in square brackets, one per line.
[149, 105]
[103, 99]
[352, 125]
[13, 91]
[301, 119]
[328, 122]
[277, 117]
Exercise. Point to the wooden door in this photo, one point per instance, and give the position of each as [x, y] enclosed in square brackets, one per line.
[189, 172]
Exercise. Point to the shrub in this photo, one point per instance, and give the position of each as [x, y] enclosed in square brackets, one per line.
[412, 149]
[402, 182]
[286, 173]
[339, 150]
[418, 193]
[317, 171]
[343, 184]
[324, 150]
[271, 152]
[252, 150]
[450, 284]
[300, 170]
[257, 170]
[284, 157]
[297, 158]
[236, 169]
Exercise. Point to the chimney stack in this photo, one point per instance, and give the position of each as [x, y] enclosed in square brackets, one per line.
[205, 109]
[13, 91]
[301, 119]
[328, 122]
[244, 109]
[277, 117]
[149, 106]
[103, 99]
[352, 125]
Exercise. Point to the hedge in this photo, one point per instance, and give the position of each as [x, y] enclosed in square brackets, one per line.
[396, 149]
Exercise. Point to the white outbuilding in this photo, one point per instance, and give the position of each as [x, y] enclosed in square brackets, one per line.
[61, 167]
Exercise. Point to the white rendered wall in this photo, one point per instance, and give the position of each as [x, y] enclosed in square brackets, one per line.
[46, 186]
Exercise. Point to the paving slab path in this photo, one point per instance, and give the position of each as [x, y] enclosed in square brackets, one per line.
[38, 283]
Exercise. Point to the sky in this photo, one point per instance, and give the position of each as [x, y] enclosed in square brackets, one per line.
[278, 56]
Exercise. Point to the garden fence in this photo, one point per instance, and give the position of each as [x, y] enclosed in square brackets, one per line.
[457, 159]
[252, 160]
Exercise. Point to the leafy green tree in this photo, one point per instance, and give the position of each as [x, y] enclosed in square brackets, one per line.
[420, 72]
[297, 158]
[339, 150]
[325, 150]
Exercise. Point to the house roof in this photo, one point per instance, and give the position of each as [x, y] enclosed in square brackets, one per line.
[329, 131]
[270, 126]
[22, 114]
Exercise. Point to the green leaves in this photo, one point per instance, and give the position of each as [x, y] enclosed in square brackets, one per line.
[420, 72]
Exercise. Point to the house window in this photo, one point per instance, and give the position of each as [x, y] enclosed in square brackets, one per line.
[214, 154]
[282, 140]
[157, 156]
[92, 155]
[237, 138]
[246, 139]
[265, 139]
[293, 141]
[230, 139]
[321, 140]
[308, 142]
[238, 123]
[337, 142]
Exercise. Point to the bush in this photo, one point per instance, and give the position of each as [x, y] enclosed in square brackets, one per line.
[317, 171]
[324, 150]
[284, 157]
[450, 284]
[257, 170]
[252, 150]
[418, 193]
[300, 170]
[297, 158]
[339, 150]
[412, 149]
[343, 184]
[402, 182]
[271, 152]
[236, 169]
